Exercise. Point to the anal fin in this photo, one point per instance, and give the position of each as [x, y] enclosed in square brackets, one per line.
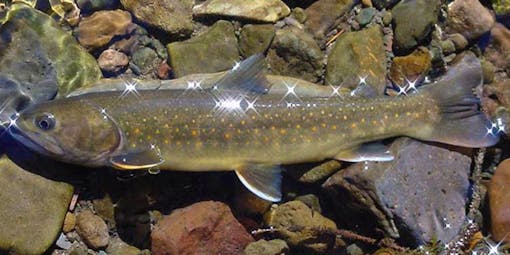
[366, 152]
[265, 181]
[137, 160]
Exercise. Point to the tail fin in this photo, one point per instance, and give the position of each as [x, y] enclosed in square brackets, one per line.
[462, 123]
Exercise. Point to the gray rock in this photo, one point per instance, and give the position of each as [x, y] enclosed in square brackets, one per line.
[295, 53]
[32, 209]
[260, 11]
[146, 59]
[92, 229]
[214, 50]
[365, 16]
[263, 247]
[33, 42]
[255, 39]
[358, 54]
[469, 18]
[171, 16]
[322, 14]
[419, 196]
[413, 21]
[353, 249]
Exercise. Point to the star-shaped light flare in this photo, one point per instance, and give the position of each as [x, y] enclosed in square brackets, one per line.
[130, 88]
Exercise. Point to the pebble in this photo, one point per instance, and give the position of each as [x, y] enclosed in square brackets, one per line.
[92, 229]
[499, 202]
[118, 247]
[365, 16]
[97, 30]
[296, 221]
[469, 18]
[459, 41]
[203, 228]
[258, 11]
[69, 222]
[146, 59]
[171, 16]
[263, 247]
[112, 61]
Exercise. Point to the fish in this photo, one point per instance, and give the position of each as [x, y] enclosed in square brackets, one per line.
[237, 125]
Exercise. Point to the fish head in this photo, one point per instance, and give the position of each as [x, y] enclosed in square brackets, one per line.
[68, 130]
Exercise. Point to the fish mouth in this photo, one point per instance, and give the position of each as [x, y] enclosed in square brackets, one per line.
[48, 147]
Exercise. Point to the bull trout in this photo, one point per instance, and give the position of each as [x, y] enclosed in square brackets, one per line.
[236, 125]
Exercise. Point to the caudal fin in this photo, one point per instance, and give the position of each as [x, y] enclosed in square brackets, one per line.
[461, 121]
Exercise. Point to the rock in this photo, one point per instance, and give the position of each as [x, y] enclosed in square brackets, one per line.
[384, 4]
[447, 46]
[411, 68]
[255, 39]
[247, 203]
[299, 14]
[311, 201]
[66, 10]
[420, 199]
[295, 53]
[258, 11]
[296, 223]
[499, 202]
[163, 70]
[318, 173]
[146, 59]
[322, 15]
[69, 222]
[36, 44]
[97, 30]
[353, 249]
[501, 7]
[496, 99]
[112, 61]
[413, 21]
[172, 16]
[92, 229]
[263, 247]
[489, 71]
[214, 50]
[118, 247]
[365, 16]
[498, 51]
[469, 18]
[87, 6]
[386, 18]
[358, 54]
[105, 209]
[202, 228]
[459, 41]
[32, 211]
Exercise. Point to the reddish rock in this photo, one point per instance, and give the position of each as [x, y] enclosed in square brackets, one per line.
[98, 29]
[499, 48]
[202, 228]
[499, 201]
[112, 61]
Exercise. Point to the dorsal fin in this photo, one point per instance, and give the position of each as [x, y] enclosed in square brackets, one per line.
[246, 75]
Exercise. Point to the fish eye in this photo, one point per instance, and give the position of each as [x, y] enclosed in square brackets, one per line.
[45, 121]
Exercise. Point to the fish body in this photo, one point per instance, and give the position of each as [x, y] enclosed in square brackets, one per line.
[245, 128]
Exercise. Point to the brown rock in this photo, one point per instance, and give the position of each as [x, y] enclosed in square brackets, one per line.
[470, 18]
[410, 67]
[322, 14]
[69, 222]
[92, 229]
[499, 201]
[202, 228]
[98, 29]
[112, 61]
[498, 51]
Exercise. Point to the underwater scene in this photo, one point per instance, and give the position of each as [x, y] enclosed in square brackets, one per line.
[256, 127]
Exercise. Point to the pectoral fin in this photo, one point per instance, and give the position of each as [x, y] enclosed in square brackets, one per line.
[366, 152]
[137, 160]
[263, 180]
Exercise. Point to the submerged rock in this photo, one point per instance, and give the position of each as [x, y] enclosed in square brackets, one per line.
[297, 224]
[413, 21]
[146, 59]
[118, 247]
[295, 53]
[469, 18]
[32, 210]
[255, 39]
[322, 14]
[214, 50]
[112, 61]
[417, 200]
[171, 16]
[98, 29]
[31, 41]
[260, 11]
[411, 67]
[358, 54]
[499, 199]
[263, 247]
[92, 229]
[96, 5]
[202, 228]
[384, 4]
[498, 51]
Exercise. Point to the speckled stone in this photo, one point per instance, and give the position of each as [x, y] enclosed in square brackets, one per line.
[469, 18]
[260, 10]
[98, 29]
[92, 229]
